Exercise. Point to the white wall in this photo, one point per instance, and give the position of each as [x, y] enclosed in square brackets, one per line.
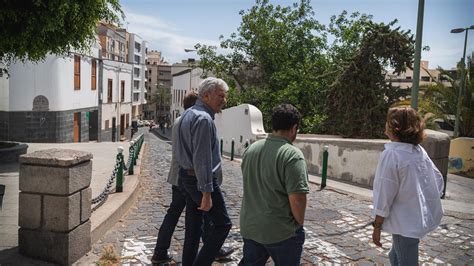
[239, 124]
[54, 79]
[181, 86]
[4, 91]
[117, 71]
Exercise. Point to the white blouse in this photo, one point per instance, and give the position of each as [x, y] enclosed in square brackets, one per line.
[407, 190]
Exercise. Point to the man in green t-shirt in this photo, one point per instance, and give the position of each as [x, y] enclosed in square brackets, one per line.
[275, 186]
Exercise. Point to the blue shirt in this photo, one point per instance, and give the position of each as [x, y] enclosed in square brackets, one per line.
[197, 146]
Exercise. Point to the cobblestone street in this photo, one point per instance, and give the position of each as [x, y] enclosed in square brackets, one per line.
[336, 230]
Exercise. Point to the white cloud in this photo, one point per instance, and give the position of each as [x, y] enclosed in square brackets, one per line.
[164, 36]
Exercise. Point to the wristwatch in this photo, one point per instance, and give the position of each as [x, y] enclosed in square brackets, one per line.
[377, 225]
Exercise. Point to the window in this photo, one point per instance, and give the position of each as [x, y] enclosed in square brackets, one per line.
[77, 72]
[408, 77]
[122, 90]
[109, 91]
[106, 124]
[425, 78]
[94, 75]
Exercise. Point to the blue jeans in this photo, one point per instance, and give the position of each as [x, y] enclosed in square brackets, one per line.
[286, 252]
[404, 251]
[217, 217]
[178, 202]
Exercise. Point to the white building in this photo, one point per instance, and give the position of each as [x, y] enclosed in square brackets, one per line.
[55, 100]
[428, 76]
[186, 77]
[137, 56]
[115, 100]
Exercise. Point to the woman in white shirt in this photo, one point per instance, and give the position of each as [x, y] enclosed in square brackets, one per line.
[407, 188]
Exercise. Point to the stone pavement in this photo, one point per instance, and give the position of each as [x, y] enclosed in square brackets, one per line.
[336, 230]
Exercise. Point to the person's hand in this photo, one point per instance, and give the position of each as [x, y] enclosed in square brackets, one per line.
[376, 237]
[206, 202]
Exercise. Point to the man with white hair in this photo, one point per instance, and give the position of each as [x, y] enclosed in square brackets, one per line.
[200, 168]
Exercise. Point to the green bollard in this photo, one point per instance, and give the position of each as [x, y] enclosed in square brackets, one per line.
[119, 183]
[131, 152]
[232, 150]
[325, 167]
[222, 147]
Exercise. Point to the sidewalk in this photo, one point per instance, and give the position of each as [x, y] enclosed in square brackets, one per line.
[104, 156]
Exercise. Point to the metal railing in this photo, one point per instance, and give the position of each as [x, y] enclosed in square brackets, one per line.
[119, 170]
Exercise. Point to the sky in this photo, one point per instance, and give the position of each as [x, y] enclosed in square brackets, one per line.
[170, 26]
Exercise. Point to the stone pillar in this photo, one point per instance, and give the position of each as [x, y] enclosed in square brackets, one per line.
[436, 145]
[55, 205]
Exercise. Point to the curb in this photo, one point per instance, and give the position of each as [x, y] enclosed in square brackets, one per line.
[117, 204]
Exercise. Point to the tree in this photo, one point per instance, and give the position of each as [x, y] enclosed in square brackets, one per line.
[32, 29]
[161, 99]
[359, 98]
[276, 57]
[439, 101]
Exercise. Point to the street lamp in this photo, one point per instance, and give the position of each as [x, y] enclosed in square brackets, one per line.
[192, 66]
[461, 88]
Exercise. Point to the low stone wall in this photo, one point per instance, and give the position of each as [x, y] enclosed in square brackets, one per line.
[55, 205]
[355, 160]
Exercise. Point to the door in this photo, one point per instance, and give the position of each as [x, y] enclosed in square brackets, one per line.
[114, 129]
[122, 126]
[94, 125]
[77, 127]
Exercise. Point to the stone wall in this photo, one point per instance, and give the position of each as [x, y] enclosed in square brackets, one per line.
[43, 126]
[55, 205]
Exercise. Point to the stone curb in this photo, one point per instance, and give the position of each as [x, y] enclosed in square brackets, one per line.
[117, 204]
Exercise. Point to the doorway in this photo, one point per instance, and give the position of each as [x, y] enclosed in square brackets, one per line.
[77, 127]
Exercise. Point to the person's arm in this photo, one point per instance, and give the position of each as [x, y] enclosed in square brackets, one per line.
[377, 230]
[298, 206]
[385, 189]
[202, 161]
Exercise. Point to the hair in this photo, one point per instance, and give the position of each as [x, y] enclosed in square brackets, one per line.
[210, 84]
[189, 99]
[284, 117]
[406, 124]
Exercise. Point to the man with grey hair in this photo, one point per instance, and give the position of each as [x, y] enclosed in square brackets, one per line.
[199, 160]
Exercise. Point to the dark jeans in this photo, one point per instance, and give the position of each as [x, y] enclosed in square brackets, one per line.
[178, 202]
[219, 221]
[287, 252]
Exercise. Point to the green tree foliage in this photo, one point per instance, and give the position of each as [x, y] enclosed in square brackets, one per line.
[439, 101]
[359, 98]
[32, 29]
[276, 56]
[282, 55]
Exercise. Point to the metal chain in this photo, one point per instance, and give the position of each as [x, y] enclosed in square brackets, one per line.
[99, 200]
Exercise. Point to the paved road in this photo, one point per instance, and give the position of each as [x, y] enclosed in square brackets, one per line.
[335, 221]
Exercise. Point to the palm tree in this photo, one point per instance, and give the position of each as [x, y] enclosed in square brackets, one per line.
[438, 101]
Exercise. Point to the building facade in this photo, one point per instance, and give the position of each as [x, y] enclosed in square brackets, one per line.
[158, 92]
[186, 77]
[113, 41]
[428, 77]
[115, 101]
[55, 100]
[137, 50]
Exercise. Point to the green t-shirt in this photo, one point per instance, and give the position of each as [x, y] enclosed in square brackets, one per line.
[272, 168]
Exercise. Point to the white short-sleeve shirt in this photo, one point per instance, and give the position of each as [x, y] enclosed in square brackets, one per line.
[407, 190]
